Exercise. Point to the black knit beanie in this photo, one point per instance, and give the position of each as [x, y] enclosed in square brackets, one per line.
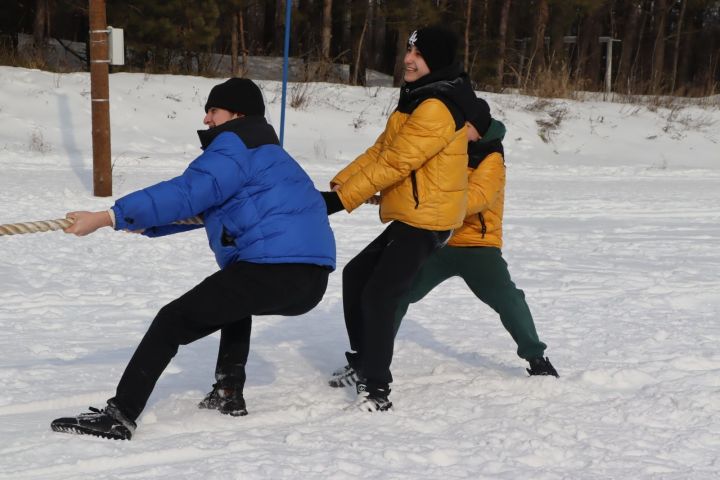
[478, 114]
[237, 95]
[437, 45]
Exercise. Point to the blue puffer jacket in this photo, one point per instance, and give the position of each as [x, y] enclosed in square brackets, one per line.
[258, 205]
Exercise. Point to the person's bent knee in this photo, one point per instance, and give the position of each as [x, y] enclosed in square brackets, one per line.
[165, 322]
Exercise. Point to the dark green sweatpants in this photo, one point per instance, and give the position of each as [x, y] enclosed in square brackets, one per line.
[485, 272]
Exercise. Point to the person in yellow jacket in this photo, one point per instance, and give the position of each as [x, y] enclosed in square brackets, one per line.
[418, 164]
[474, 250]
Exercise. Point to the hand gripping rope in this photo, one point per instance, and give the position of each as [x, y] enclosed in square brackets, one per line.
[59, 224]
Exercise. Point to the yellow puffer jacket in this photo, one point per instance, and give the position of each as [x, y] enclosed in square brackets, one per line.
[482, 226]
[418, 164]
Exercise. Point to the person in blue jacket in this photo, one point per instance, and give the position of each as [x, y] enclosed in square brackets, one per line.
[269, 230]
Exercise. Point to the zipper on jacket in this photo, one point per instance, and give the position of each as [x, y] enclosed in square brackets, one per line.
[483, 227]
[413, 180]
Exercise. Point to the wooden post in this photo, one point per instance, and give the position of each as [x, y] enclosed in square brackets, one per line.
[100, 98]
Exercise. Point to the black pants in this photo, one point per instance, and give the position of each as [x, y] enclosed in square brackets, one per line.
[225, 300]
[373, 284]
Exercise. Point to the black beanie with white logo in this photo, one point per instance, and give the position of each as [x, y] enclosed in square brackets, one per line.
[437, 45]
[237, 95]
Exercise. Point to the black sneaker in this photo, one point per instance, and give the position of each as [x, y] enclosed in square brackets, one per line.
[227, 400]
[343, 377]
[108, 423]
[541, 366]
[372, 399]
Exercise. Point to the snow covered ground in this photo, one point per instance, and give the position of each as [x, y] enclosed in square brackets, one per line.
[612, 230]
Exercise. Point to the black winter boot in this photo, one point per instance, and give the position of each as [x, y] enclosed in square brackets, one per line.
[211, 400]
[227, 400]
[108, 423]
[541, 366]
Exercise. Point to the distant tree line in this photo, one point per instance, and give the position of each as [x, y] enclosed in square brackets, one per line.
[665, 46]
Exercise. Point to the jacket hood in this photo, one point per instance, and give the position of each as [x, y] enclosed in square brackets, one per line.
[496, 131]
[491, 142]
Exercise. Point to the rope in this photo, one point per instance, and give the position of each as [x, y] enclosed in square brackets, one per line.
[59, 224]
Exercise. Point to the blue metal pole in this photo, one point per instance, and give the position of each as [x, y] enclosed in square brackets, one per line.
[286, 54]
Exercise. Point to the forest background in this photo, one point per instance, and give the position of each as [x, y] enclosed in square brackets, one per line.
[541, 47]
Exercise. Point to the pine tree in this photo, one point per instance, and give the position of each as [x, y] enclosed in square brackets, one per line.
[166, 29]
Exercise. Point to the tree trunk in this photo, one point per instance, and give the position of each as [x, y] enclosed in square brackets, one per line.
[369, 49]
[676, 52]
[41, 23]
[379, 39]
[635, 64]
[326, 30]
[347, 37]
[712, 84]
[468, 16]
[279, 38]
[234, 45]
[589, 55]
[595, 53]
[627, 45]
[502, 38]
[358, 78]
[486, 12]
[254, 13]
[562, 21]
[243, 47]
[659, 48]
[358, 67]
[687, 66]
[537, 58]
[269, 46]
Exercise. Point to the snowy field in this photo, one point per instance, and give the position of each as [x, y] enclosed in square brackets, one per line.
[612, 229]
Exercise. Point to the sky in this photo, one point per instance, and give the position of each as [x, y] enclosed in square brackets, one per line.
[612, 223]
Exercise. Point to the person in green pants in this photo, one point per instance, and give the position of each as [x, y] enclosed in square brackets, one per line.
[474, 250]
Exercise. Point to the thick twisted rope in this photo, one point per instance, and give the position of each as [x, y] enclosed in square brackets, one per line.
[59, 224]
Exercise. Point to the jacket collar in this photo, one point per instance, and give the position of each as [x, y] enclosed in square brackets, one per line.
[253, 130]
[450, 72]
[450, 85]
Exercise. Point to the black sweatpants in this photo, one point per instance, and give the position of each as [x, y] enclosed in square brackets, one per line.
[225, 300]
[373, 283]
